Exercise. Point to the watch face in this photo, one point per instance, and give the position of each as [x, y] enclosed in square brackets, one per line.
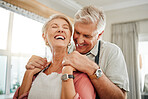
[98, 73]
[64, 77]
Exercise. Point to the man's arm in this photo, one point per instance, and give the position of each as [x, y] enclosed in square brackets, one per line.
[108, 90]
[105, 88]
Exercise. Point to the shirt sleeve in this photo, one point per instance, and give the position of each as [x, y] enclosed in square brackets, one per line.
[83, 86]
[116, 69]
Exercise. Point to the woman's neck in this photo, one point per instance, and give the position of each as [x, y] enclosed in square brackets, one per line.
[57, 57]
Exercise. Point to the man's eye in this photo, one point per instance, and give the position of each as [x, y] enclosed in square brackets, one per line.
[87, 36]
[77, 32]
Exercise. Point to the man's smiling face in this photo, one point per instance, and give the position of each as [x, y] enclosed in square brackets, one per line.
[85, 37]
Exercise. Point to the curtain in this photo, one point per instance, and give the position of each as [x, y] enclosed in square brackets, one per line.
[125, 35]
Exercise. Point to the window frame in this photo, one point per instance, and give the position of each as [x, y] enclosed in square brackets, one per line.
[8, 53]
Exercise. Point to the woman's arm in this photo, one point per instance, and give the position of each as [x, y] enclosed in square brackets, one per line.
[68, 89]
[27, 81]
[80, 87]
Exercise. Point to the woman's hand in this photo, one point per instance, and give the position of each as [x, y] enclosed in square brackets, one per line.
[37, 62]
[68, 70]
[32, 72]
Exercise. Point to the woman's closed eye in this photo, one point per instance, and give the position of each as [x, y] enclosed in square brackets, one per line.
[54, 26]
[65, 26]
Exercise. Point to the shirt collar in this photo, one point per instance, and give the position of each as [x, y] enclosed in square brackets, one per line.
[94, 51]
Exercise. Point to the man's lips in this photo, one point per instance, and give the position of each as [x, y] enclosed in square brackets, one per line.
[80, 45]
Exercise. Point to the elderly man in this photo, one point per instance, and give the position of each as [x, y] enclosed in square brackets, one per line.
[102, 61]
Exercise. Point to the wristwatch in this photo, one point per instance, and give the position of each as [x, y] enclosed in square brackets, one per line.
[65, 77]
[98, 73]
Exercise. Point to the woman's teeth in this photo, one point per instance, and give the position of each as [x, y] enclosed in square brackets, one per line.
[60, 37]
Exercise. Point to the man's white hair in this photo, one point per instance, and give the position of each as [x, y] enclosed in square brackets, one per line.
[91, 14]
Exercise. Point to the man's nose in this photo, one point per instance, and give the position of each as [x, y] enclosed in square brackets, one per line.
[80, 39]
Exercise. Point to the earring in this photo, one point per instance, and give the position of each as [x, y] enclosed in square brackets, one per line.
[69, 44]
[47, 43]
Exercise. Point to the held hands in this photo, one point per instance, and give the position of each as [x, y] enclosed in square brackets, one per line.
[80, 62]
[75, 59]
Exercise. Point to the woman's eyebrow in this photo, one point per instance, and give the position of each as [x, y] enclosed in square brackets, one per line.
[65, 25]
[54, 24]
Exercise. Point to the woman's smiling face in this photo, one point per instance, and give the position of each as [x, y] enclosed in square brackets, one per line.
[58, 33]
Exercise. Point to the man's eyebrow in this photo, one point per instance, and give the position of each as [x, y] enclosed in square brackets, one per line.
[75, 30]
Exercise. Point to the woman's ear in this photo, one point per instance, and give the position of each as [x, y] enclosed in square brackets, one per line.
[44, 36]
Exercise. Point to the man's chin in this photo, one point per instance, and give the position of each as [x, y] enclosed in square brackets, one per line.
[80, 51]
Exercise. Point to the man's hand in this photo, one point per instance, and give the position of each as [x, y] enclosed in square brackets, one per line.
[37, 62]
[80, 62]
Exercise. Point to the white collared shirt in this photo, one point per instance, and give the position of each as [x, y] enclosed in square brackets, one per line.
[112, 63]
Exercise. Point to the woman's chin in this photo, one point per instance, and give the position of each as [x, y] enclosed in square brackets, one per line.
[60, 46]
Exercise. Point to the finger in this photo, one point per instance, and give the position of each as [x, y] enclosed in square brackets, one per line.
[38, 59]
[47, 64]
[29, 67]
[43, 60]
[37, 65]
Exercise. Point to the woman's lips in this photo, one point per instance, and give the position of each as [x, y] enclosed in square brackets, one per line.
[59, 37]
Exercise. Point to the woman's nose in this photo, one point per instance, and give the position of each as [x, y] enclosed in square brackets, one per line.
[60, 31]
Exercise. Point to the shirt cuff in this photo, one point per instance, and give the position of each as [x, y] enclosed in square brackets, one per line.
[77, 96]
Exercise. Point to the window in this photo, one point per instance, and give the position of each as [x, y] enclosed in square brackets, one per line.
[20, 38]
[4, 22]
[3, 63]
[27, 36]
[143, 51]
[17, 71]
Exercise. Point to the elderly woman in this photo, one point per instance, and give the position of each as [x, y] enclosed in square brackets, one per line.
[56, 81]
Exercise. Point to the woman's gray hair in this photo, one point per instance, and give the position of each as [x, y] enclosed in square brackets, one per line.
[56, 16]
[91, 14]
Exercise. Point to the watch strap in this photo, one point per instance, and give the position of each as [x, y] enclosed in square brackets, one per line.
[71, 76]
[65, 77]
[93, 76]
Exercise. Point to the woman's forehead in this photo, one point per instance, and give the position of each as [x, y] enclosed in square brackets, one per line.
[58, 21]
